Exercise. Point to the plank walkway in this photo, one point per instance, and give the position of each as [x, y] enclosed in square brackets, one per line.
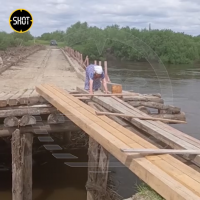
[168, 176]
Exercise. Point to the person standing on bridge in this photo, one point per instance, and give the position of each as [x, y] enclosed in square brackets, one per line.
[94, 76]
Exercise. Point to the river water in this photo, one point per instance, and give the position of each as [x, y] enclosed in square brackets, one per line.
[179, 85]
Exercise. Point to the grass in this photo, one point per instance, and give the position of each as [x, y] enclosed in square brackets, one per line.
[144, 192]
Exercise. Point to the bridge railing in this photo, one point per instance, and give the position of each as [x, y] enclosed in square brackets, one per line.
[84, 63]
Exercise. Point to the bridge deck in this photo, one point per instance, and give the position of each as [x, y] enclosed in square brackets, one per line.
[168, 176]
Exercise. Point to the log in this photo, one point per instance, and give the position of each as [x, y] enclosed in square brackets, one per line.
[143, 98]
[180, 116]
[56, 118]
[144, 109]
[17, 165]
[44, 127]
[27, 170]
[20, 111]
[141, 118]
[27, 120]
[154, 105]
[155, 95]
[161, 151]
[11, 122]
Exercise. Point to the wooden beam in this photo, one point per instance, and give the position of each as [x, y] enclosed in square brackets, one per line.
[41, 127]
[139, 117]
[27, 110]
[106, 134]
[161, 151]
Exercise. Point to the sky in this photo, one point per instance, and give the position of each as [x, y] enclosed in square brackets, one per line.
[51, 15]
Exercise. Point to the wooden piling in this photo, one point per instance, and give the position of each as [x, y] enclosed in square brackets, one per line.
[21, 166]
[27, 172]
[98, 162]
[17, 165]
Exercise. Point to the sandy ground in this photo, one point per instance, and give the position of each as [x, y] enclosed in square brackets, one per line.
[44, 66]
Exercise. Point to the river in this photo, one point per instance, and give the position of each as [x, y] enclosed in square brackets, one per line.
[179, 85]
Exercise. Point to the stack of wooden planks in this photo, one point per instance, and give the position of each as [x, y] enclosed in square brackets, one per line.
[145, 102]
[168, 176]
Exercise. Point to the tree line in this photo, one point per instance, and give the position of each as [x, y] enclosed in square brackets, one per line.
[14, 39]
[129, 43]
[122, 43]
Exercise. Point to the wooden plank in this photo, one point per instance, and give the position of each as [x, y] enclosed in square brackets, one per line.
[104, 95]
[24, 99]
[34, 98]
[166, 127]
[159, 125]
[139, 117]
[161, 151]
[29, 110]
[176, 164]
[157, 132]
[4, 99]
[112, 144]
[13, 101]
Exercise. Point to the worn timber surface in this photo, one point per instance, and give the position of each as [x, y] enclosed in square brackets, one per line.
[168, 176]
[44, 66]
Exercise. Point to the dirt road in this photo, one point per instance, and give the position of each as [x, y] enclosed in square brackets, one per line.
[44, 66]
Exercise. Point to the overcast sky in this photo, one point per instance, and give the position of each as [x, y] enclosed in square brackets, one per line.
[51, 15]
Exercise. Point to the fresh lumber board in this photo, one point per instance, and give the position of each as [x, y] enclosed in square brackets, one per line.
[176, 163]
[113, 87]
[163, 126]
[161, 151]
[77, 114]
[157, 132]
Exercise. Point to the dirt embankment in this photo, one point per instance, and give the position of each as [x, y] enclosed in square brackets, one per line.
[15, 54]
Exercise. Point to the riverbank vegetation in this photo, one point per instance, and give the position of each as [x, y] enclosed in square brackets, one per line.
[129, 43]
[124, 43]
[14, 39]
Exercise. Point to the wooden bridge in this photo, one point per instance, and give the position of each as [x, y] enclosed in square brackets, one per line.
[174, 177]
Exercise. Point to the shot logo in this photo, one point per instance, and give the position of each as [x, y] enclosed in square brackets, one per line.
[21, 21]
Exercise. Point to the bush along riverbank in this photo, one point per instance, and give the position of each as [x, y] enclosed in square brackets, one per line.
[144, 192]
[129, 43]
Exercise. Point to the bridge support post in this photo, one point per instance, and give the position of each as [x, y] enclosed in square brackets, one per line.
[98, 162]
[21, 166]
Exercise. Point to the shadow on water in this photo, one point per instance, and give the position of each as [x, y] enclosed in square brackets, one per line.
[52, 179]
